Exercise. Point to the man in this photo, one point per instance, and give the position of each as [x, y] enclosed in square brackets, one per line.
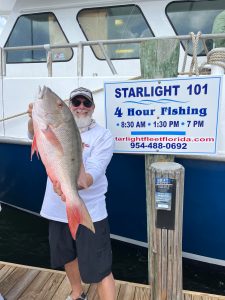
[89, 257]
[219, 27]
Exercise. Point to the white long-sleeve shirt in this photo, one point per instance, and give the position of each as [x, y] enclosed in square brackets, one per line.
[97, 153]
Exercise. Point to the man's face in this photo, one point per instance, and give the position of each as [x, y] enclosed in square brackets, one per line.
[82, 110]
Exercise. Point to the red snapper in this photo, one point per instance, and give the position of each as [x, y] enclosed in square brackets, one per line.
[57, 139]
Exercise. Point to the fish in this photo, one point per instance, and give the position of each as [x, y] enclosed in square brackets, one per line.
[57, 140]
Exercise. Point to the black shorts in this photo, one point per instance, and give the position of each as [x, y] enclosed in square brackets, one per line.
[92, 250]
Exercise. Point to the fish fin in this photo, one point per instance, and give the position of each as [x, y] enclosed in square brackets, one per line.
[85, 218]
[51, 177]
[78, 215]
[52, 138]
[34, 148]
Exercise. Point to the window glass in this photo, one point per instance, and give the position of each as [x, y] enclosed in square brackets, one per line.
[37, 29]
[118, 22]
[193, 16]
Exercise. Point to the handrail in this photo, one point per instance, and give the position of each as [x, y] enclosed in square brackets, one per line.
[101, 43]
[115, 41]
[66, 100]
[1, 67]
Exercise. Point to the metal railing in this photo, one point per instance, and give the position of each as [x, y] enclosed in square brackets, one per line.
[80, 63]
[101, 43]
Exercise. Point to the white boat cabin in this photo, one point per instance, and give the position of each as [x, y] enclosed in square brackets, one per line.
[38, 26]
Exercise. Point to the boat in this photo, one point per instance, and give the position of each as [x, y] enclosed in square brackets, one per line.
[86, 43]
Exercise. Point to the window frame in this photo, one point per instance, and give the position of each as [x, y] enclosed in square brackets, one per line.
[107, 7]
[38, 62]
[175, 31]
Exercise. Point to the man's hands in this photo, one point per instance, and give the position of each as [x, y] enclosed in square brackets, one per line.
[57, 190]
[30, 122]
[29, 111]
[84, 181]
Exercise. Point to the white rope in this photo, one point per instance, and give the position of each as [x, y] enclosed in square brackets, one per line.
[194, 62]
[19, 115]
[67, 100]
[205, 46]
[12, 117]
[215, 57]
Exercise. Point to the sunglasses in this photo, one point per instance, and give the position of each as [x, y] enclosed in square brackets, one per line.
[76, 102]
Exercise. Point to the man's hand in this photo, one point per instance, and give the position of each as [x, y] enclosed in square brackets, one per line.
[30, 122]
[57, 190]
[85, 179]
[30, 108]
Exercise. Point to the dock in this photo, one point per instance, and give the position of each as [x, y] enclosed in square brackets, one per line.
[19, 282]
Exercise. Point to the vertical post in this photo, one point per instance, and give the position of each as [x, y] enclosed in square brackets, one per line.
[110, 64]
[166, 181]
[1, 63]
[159, 59]
[49, 62]
[47, 48]
[80, 59]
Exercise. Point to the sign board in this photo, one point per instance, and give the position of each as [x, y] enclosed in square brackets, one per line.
[178, 115]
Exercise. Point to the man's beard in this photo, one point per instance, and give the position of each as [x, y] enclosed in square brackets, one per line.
[83, 121]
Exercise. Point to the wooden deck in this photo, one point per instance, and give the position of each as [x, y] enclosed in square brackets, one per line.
[18, 282]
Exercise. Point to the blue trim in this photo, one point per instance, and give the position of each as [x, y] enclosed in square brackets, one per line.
[22, 184]
[22, 181]
[158, 133]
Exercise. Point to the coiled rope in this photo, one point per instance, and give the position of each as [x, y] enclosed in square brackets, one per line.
[215, 57]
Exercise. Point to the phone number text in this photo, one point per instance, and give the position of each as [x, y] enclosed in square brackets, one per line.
[159, 145]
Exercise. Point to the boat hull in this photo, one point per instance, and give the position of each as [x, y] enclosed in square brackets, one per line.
[22, 181]
[22, 185]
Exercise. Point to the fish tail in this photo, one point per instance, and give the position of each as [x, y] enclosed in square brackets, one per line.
[86, 219]
[78, 215]
[73, 220]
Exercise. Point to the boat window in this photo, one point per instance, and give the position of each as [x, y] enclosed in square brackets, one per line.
[117, 22]
[193, 16]
[37, 29]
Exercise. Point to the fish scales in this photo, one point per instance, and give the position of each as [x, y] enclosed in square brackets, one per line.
[57, 139]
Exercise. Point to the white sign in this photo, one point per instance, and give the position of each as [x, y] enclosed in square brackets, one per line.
[178, 115]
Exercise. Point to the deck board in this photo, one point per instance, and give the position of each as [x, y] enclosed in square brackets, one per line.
[126, 292]
[142, 294]
[11, 279]
[18, 282]
[22, 284]
[92, 292]
[63, 291]
[4, 272]
[35, 288]
[51, 286]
